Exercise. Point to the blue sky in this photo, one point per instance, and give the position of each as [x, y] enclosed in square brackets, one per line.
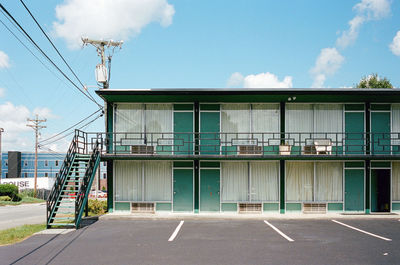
[188, 44]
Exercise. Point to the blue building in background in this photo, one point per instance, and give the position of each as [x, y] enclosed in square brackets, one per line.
[16, 164]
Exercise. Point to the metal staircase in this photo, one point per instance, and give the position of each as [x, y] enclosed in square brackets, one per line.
[69, 195]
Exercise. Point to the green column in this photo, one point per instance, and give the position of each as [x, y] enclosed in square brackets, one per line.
[367, 186]
[110, 186]
[282, 162]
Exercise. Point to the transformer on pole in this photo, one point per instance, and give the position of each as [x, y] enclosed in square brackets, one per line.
[102, 76]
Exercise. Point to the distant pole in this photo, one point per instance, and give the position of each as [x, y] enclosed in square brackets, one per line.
[1, 156]
[36, 126]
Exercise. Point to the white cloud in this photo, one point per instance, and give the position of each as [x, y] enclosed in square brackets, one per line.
[44, 113]
[395, 45]
[4, 60]
[328, 62]
[266, 80]
[261, 80]
[108, 19]
[13, 118]
[235, 80]
[366, 10]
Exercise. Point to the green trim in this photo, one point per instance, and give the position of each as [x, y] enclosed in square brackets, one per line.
[183, 106]
[380, 107]
[110, 185]
[164, 206]
[335, 207]
[209, 164]
[122, 206]
[183, 164]
[396, 206]
[196, 187]
[380, 164]
[354, 107]
[210, 107]
[293, 207]
[282, 186]
[367, 186]
[229, 207]
[354, 164]
[271, 207]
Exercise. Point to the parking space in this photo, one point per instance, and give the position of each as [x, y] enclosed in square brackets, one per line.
[221, 241]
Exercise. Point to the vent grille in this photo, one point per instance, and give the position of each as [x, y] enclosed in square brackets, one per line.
[142, 207]
[142, 149]
[250, 150]
[314, 207]
[250, 208]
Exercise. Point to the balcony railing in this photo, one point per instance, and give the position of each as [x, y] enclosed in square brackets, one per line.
[242, 144]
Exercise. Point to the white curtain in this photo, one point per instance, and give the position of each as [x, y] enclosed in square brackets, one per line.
[129, 118]
[158, 181]
[328, 181]
[264, 181]
[235, 119]
[299, 118]
[328, 118]
[299, 181]
[396, 181]
[128, 181]
[158, 120]
[396, 118]
[265, 119]
[234, 181]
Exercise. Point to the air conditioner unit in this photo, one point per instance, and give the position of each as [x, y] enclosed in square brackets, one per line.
[142, 149]
[143, 207]
[250, 207]
[250, 150]
[314, 207]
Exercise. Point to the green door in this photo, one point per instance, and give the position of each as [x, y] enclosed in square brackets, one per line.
[183, 190]
[209, 137]
[380, 190]
[354, 128]
[380, 132]
[354, 190]
[183, 133]
[209, 190]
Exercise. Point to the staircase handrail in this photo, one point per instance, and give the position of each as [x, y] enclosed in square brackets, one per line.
[81, 197]
[60, 180]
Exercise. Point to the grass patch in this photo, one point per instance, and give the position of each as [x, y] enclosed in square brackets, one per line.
[24, 200]
[17, 234]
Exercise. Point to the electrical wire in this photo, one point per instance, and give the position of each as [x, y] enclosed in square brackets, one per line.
[55, 48]
[69, 128]
[47, 57]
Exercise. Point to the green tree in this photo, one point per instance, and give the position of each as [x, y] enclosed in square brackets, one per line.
[374, 81]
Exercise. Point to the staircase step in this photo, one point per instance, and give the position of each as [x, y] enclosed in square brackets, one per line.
[63, 218]
[62, 224]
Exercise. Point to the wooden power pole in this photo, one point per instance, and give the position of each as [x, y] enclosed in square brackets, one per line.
[35, 124]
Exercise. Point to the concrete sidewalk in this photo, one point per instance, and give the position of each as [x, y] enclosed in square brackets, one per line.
[235, 216]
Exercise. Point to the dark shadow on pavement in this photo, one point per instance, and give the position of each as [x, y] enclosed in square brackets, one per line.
[88, 221]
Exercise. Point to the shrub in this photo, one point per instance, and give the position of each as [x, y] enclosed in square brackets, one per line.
[11, 191]
[27, 193]
[97, 207]
[5, 198]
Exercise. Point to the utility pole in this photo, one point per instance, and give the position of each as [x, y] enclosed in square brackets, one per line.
[36, 126]
[1, 156]
[101, 70]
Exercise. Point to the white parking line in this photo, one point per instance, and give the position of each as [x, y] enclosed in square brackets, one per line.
[279, 231]
[362, 231]
[172, 237]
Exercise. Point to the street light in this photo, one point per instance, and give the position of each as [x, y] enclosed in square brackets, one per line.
[1, 155]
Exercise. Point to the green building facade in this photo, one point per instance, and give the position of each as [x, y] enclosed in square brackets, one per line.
[218, 150]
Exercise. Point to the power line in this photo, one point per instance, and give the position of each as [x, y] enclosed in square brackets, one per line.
[69, 128]
[47, 57]
[55, 48]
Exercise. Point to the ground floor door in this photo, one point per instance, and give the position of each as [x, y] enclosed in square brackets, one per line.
[354, 190]
[380, 190]
[183, 190]
[209, 190]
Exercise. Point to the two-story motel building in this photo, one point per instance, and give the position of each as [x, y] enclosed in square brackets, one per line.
[219, 150]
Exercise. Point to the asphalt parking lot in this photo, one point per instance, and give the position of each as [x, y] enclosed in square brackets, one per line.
[275, 241]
